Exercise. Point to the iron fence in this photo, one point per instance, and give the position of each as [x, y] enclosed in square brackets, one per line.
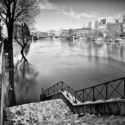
[58, 87]
[104, 91]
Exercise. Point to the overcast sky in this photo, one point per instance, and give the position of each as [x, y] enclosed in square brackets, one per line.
[64, 14]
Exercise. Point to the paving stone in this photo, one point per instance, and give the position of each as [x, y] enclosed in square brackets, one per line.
[54, 112]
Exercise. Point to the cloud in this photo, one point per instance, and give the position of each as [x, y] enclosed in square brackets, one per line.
[70, 14]
[47, 5]
[73, 14]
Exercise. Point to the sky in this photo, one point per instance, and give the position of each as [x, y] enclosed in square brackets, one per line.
[65, 14]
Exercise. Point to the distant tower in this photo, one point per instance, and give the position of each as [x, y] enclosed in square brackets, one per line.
[96, 26]
[90, 25]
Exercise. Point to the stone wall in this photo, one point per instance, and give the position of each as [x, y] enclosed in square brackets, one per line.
[104, 108]
[107, 108]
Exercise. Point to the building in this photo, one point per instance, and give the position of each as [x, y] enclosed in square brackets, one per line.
[103, 26]
[123, 24]
[63, 33]
[114, 29]
[82, 32]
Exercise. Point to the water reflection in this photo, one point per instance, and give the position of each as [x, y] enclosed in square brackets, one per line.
[79, 63]
[25, 76]
[111, 50]
[27, 49]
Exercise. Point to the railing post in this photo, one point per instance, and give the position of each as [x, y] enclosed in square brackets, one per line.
[93, 88]
[75, 96]
[62, 88]
[83, 95]
[106, 85]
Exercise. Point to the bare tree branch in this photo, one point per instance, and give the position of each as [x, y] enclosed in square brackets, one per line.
[18, 42]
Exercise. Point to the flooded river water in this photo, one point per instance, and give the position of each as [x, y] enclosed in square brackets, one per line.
[78, 63]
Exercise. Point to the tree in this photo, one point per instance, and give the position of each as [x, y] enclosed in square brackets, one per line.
[12, 11]
[24, 36]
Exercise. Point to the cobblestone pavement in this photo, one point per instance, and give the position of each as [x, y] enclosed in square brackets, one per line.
[54, 112]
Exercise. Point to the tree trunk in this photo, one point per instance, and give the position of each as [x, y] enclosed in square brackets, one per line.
[22, 53]
[11, 64]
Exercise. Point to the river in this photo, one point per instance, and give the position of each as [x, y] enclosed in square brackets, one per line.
[78, 63]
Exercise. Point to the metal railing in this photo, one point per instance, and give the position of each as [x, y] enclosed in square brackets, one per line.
[60, 86]
[104, 91]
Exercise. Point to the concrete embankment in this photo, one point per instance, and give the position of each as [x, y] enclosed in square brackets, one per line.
[108, 107]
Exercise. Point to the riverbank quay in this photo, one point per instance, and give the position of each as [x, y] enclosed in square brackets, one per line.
[54, 112]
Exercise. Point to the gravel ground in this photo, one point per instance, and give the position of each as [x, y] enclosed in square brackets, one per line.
[54, 112]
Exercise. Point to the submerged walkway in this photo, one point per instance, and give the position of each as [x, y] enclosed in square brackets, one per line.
[54, 112]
